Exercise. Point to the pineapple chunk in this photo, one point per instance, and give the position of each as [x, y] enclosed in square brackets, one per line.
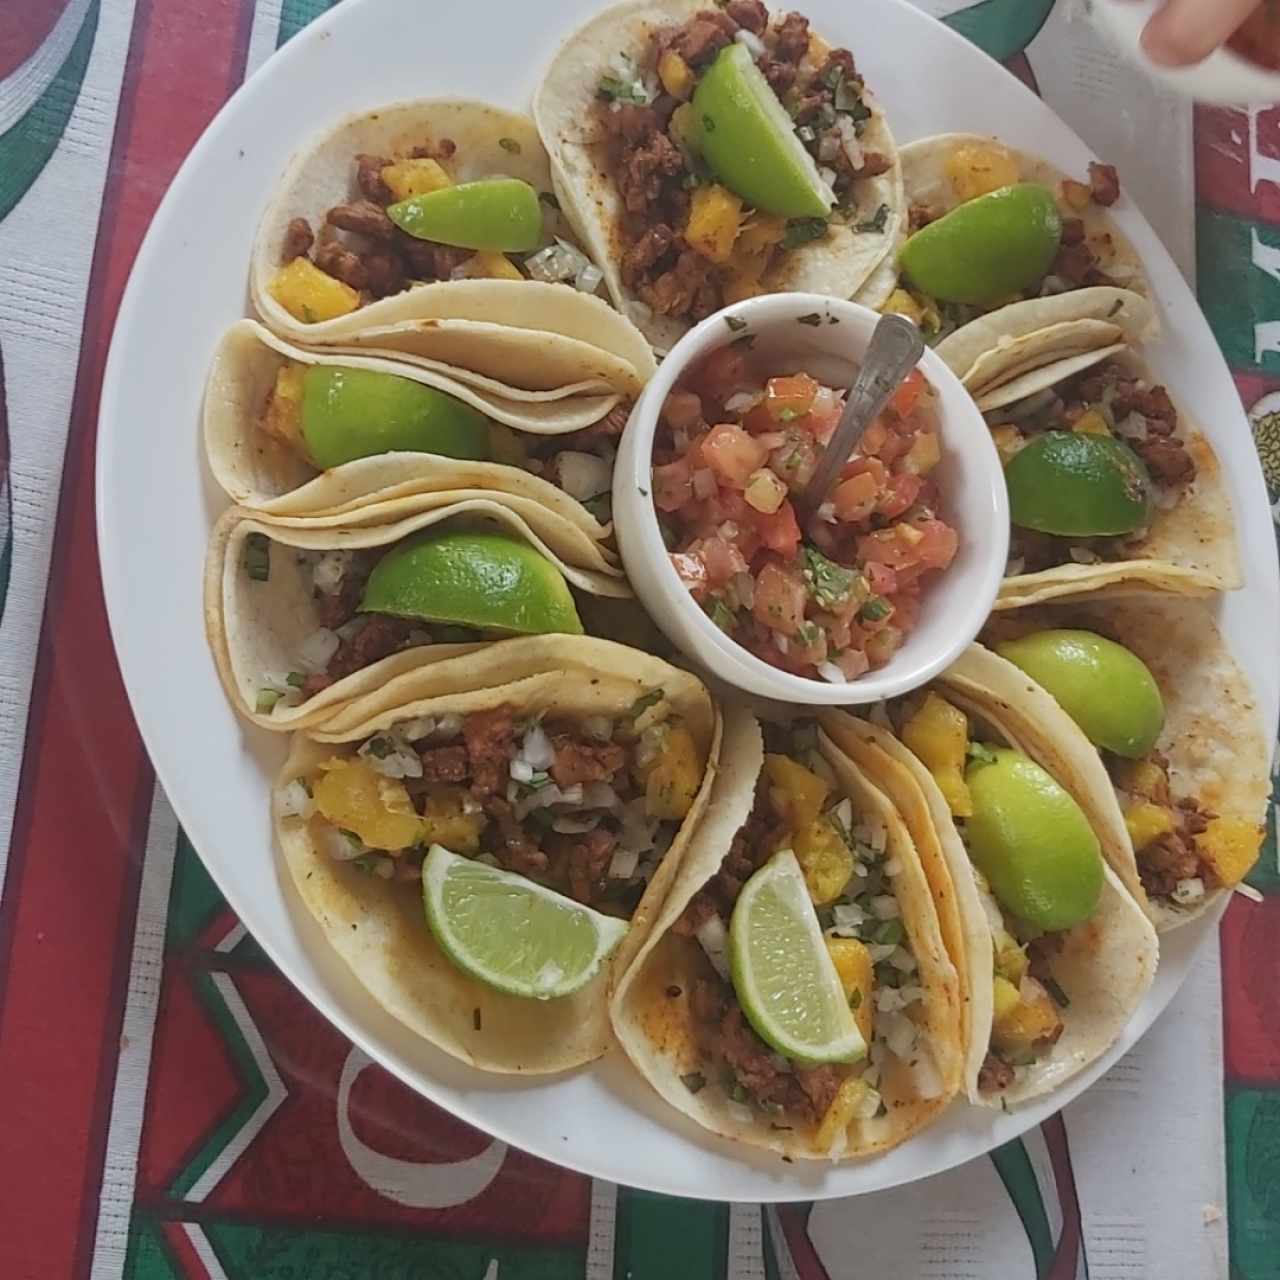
[282, 416]
[1029, 1024]
[714, 215]
[1091, 423]
[825, 859]
[1076, 195]
[349, 794]
[765, 491]
[902, 303]
[416, 177]
[1004, 999]
[675, 777]
[1007, 440]
[452, 819]
[1146, 778]
[845, 1108]
[487, 265]
[925, 454]
[676, 75]
[939, 734]
[1230, 846]
[760, 233]
[857, 975]
[976, 168]
[796, 793]
[309, 295]
[1010, 958]
[1147, 822]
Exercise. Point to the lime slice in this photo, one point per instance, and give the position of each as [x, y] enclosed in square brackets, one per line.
[1032, 842]
[1078, 485]
[986, 248]
[472, 579]
[356, 413]
[498, 214]
[512, 933]
[783, 973]
[750, 141]
[1104, 687]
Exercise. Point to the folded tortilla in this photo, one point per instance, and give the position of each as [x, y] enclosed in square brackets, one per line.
[836, 265]
[1218, 755]
[258, 630]
[651, 1007]
[1105, 965]
[377, 926]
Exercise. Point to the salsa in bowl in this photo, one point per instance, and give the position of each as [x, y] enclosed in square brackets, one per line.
[896, 572]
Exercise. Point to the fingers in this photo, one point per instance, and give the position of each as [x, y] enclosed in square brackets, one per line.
[1185, 31]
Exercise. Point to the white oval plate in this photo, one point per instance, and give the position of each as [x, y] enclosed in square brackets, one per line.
[156, 503]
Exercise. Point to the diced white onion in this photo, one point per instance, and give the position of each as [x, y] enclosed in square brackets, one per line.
[903, 960]
[843, 813]
[599, 795]
[582, 475]
[598, 728]
[336, 845]
[827, 513]
[880, 951]
[704, 483]
[623, 864]
[588, 279]
[1015, 566]
[1084, 555]
[899, 1034]
[318, 648]
[330, 570]
[536, 749]
[397, 759]
[893, 867]
[521, 771]
[827, 175]
[828, 146]
[872, 832]
[448, 726]
[741, 401]
[829, 671]
[714, 940]
[884, 906]
[925, 1077]
[292, 801]
[416, 729]
[869, 1103]
[1188, 891]
[910, 995]
[740, 1112]
[743, 586]
[750, 41]
[639, 313]
[848, 918]
[849, 142]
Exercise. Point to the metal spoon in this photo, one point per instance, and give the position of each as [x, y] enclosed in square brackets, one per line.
[895, 349]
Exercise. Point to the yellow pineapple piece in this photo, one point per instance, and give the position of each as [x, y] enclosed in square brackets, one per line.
[417, 177]
[976, 168]
[1146, 778]
[676, 75]
[282, 415]
[925, 454]
[1076, 195]
[825, 859]
[1230, 846]
[1007, 440]
[1091, 423]
[842, 1112]
[902, 303]
[1004, 999]
[1021, 1029]
[1147, 822]
[350, 795]
[675, 777]
[488, 265]
[1010, 958]
[450, 817]
[857, 975]
[309, 295]
[714, 215]
[796, 793]
[938, 733]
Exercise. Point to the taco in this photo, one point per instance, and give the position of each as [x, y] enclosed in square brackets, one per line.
[573, 766]
[706, 155]
[290, 432]
[1140, 711]
[1045, 998]
[677, 1011]
[371, 216]
[305, 615]
[1085, 267]
[1112, 488]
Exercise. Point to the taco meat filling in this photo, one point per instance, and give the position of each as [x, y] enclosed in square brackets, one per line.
[587, 807]
[691, 245]
[835, 601]
[1105, 400]
[850, 879]
[579, 462]
[358, 254]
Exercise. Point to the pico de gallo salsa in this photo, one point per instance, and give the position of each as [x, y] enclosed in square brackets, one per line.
[734, 445]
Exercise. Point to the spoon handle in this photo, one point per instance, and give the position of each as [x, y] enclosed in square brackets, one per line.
[895, 349]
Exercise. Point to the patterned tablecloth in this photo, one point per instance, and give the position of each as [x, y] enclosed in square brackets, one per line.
[170, 1107]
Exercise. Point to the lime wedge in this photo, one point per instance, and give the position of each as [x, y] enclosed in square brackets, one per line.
[512, 933]
[356, 413]
[499, 214]
[750, 141]
[783, 973]
[472, 579]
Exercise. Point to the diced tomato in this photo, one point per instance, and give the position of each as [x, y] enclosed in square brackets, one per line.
[906, 609]
[692, 572]
[721, 374]
[795, 461]
[779, 599]
[721, 560]
[732, 454]
[938, 546]
[790, 397]
[682, 410]
[902, 490]
[873, 439]
[895, 446]
[780, 531]
[904, 399]
[885, 546]
[883, 645]
[882, 579]
[673, 485]
[855, 498]
[853, 662]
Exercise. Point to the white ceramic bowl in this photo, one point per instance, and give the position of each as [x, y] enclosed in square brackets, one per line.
[955, 605]
[1222, 77]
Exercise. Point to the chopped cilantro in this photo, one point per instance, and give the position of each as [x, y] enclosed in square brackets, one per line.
[694, 1081]
[257, 557]
[980, 753]
[644, 702]
[813, 319]
[801, 231]
[808, 633]
[830, 584]
[875, 609]
[736, 323]
[601, 506]
[739, 1094]
[380, 748]
[509, 144]
[855, 999]
[888, 932]
[876, 222]
[266, 701]
[720, 614]
[295, 679]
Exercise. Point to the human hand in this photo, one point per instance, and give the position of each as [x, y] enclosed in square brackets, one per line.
[1185, 31]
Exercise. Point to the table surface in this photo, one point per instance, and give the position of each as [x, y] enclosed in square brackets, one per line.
[172, 1108]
